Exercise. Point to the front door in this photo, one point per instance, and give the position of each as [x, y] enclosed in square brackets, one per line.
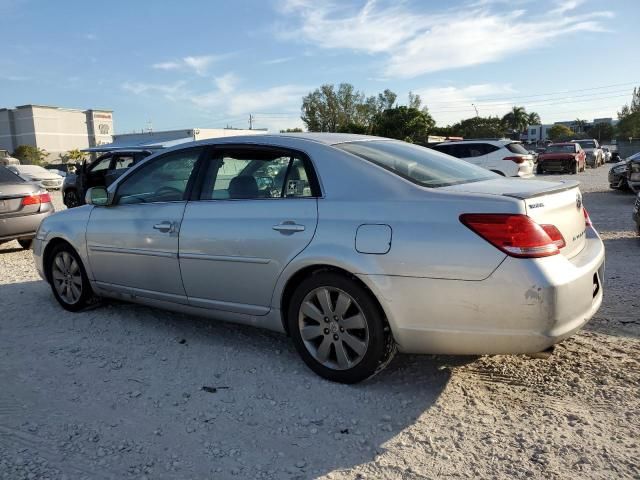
[256, 210]
[133, 243]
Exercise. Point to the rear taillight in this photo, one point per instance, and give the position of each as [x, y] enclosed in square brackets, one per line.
[515, 158]
[36, 199]
[516, 235]
[555, 235]
[587, 218]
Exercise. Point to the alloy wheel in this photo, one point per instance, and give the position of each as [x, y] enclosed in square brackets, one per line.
[333, 328]
[67, 277]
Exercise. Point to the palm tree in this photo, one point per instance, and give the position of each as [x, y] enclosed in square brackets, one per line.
[580, 124]
[516, 119]
[533, 119]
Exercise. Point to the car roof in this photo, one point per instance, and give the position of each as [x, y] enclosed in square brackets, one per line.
[316, 137]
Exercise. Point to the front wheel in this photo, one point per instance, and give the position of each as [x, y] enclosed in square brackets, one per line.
[575, 168]
[338, 328]
[71, 199]
[68, 278]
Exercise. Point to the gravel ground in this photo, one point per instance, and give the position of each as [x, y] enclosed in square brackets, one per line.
[116, 392]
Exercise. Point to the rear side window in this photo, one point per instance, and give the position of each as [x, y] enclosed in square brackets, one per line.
[256, 174]
[420, 165]
[7, 176]
[516, 148]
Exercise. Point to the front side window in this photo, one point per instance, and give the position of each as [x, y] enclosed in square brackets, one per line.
[256, 174]
[420, 165]
[164, 179]
[101, 164]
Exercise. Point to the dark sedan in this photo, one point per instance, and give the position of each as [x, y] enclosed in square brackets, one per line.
[23, 205]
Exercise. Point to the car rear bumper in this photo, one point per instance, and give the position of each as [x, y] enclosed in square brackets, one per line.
[24, 226]
[525, 306]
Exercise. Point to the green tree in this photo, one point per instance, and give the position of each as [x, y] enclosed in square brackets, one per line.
[30, 155]
[404, 123]
[581, 125]
[533, 119]
[479, 127]
[629, 117]
[292, 130]
[559, 133]
[516, 120]
[601, 131]
[75, 155]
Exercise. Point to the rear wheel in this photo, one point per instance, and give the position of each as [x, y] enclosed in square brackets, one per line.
[575, 168]
[338, 328]
[68, 278]
[25, 243]
[539, 170]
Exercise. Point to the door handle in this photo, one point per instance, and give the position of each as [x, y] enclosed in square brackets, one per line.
[288, 227]
[164, 227]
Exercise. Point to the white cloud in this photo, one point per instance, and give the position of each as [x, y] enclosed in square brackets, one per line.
[277, 61]
[419, 43]
[198, 64]
[91, 36]
[226, 100]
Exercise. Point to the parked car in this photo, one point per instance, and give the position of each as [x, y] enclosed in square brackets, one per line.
[6, 159]
[504, 157]
[606, 154]
[41, 176]
[633, 172]
[62, 173]
[593, 151]
[562, 157]
[618, 174]
[361, 246]
[23, 205]
[99, 173]
[636, 213]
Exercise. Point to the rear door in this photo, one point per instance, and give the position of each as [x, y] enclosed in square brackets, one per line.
[255, 211]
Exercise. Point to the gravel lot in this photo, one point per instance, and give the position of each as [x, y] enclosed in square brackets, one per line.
[116, 392]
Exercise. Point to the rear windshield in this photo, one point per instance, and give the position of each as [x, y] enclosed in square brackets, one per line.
[587, 143]
[517, 148]
[420, 165]
[7, 176]
[561, 149]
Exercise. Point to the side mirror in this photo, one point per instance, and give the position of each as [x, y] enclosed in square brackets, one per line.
[97, 196]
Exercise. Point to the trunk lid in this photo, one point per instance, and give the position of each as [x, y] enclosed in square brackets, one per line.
[547, 203]
[11, 196]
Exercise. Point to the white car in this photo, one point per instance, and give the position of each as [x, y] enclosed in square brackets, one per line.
[505, 157]
[606, 154]
[43, 177]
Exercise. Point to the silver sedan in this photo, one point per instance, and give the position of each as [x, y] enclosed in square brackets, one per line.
[356, 247]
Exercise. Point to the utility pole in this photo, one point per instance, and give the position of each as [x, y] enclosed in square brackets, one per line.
[476, 109]
[250, 122]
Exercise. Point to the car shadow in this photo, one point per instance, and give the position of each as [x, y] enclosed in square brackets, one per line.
[135, 375]
[10, 250]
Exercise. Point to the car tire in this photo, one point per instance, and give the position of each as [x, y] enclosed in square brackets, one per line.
[25, 243]
[575, 168]
[338, 328]
[71, 199]
[68, 278]
[539, 170]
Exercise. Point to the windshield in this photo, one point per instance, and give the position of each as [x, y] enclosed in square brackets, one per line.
[587, 143]
[561, 149]
[7, 176]
[424, 166]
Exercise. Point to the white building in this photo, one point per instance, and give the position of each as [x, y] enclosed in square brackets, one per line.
[536, 133]
[168, 138]
[54, 129]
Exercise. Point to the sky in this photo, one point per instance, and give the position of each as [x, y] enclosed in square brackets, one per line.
[210, 64]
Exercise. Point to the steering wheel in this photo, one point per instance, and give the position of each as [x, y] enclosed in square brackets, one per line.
[166, 191]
